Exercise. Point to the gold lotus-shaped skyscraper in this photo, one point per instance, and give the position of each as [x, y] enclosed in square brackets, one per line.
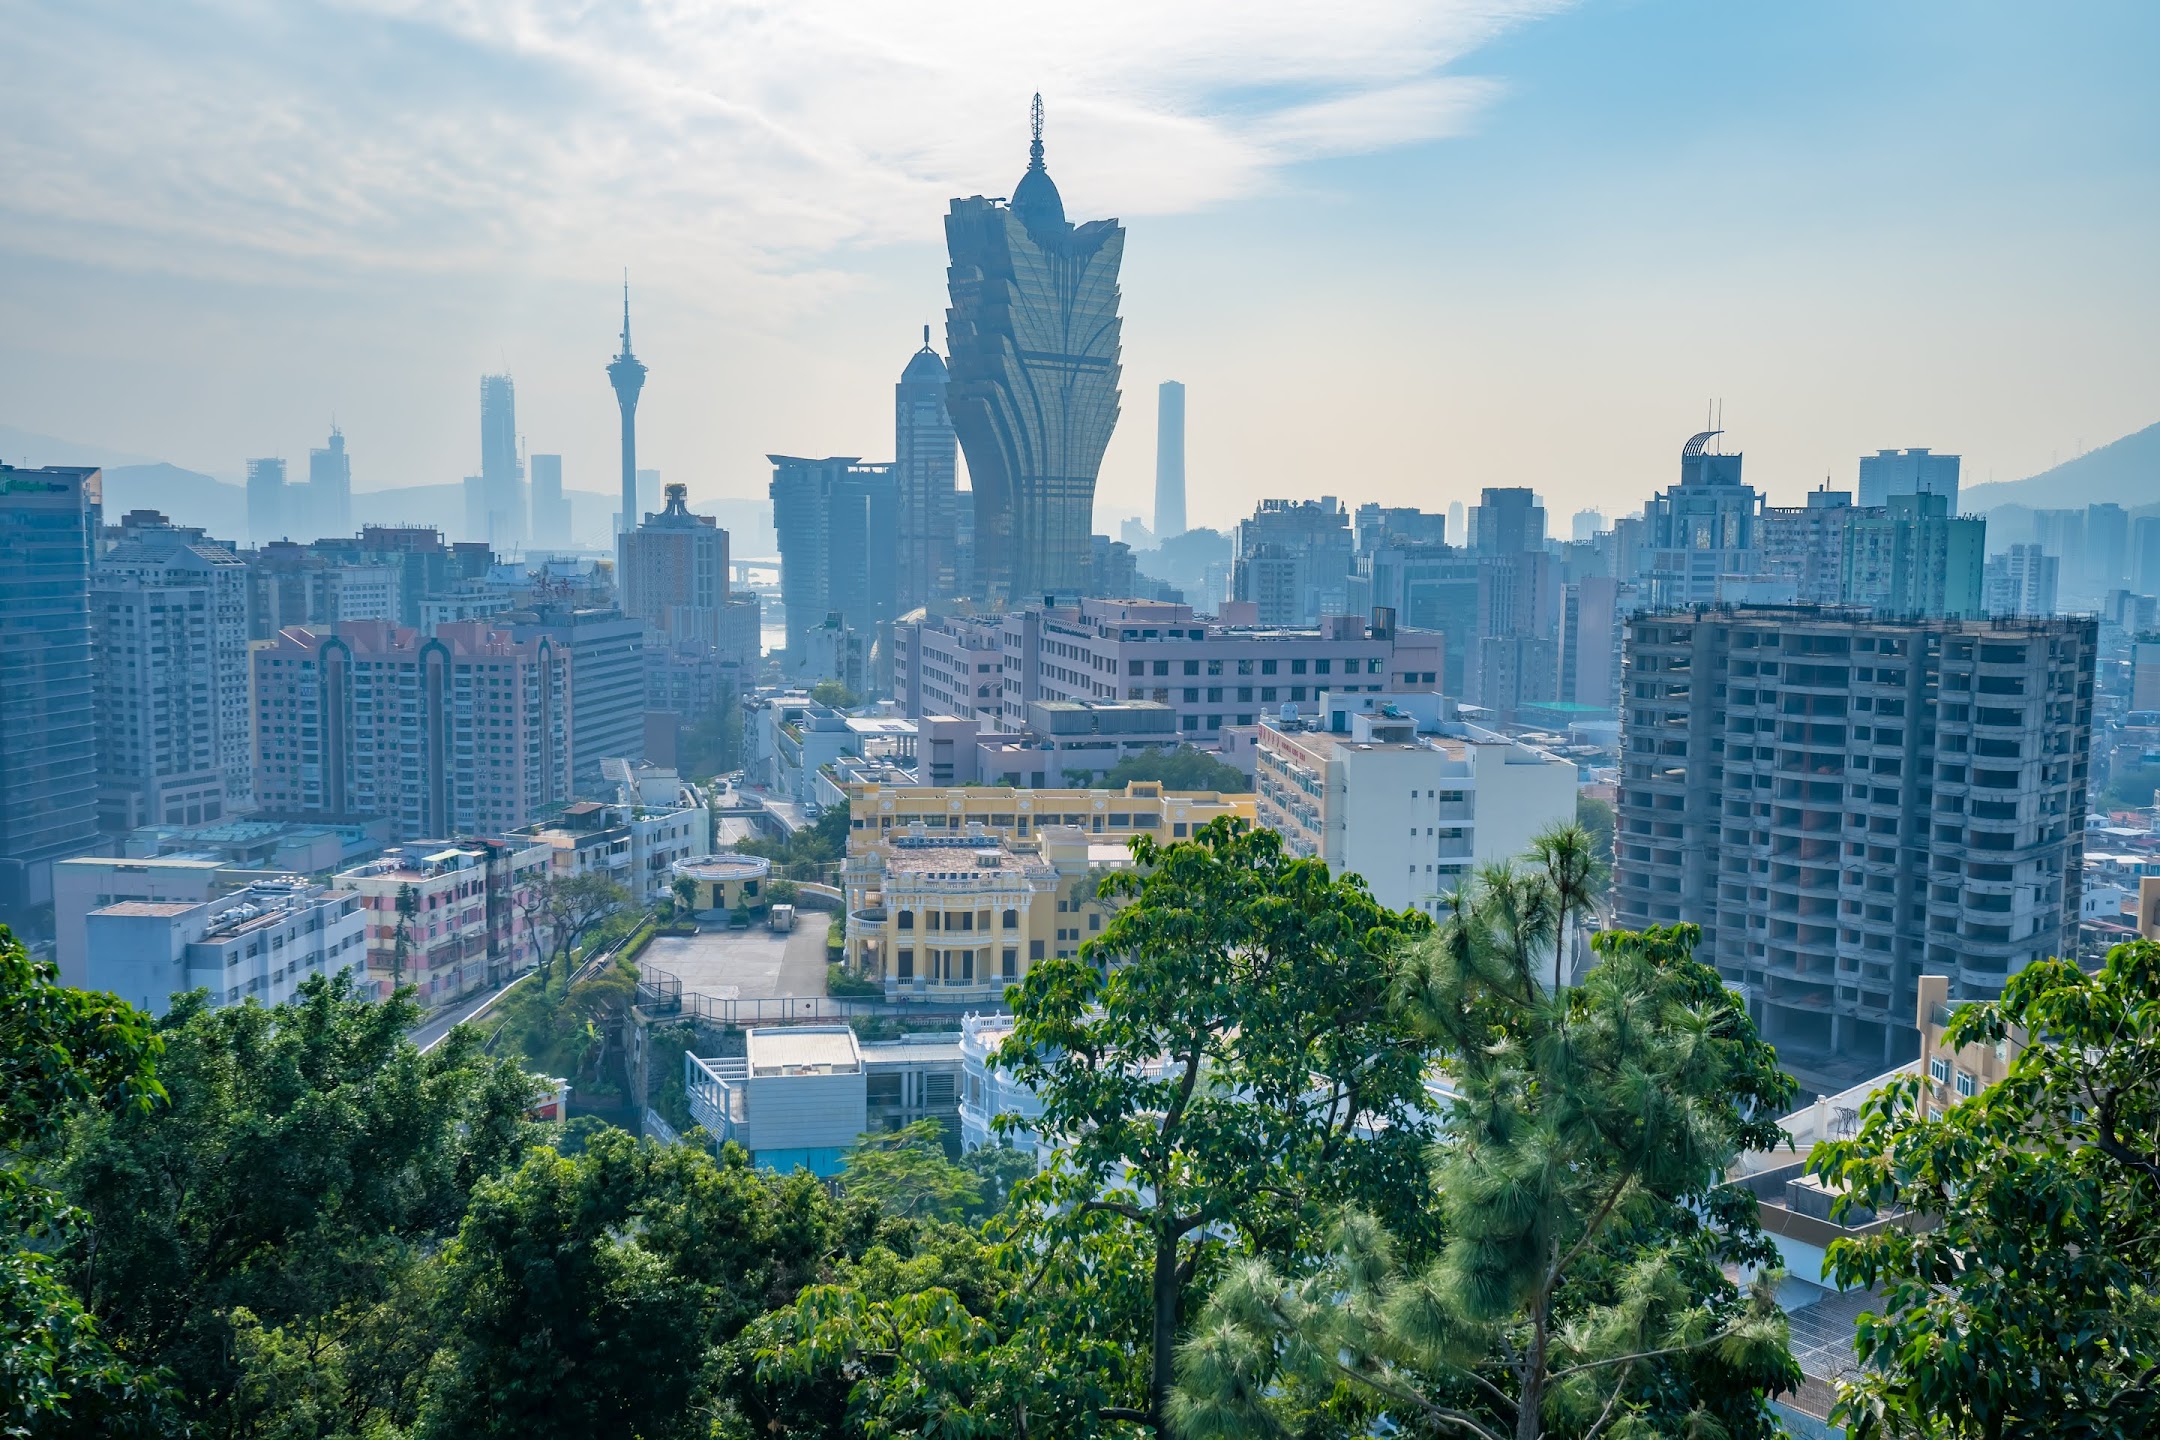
[1032, 333]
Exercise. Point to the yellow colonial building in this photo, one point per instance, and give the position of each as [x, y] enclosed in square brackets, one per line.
[952, 894]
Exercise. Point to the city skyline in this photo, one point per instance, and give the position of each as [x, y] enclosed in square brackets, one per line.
[1510, 298]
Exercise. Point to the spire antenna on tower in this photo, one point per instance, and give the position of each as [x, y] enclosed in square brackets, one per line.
[1035, 123]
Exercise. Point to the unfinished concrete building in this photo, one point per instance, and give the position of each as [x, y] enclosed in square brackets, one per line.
[1845, 803]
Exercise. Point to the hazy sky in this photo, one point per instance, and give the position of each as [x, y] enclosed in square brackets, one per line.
[1395, 250]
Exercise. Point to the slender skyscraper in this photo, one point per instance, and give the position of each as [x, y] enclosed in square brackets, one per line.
[1170, 460]
[924, 452]
[1033, 339]
[49, 522]
[330, 488]
[266, 501]
[502, 477]
[627, 375]
[550, 510]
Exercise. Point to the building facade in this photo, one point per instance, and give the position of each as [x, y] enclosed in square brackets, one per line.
[258, 944]
[49, 524]
[1213, 674]
[1844, 802]
[607, 681]
[464, 732]
[1701, 532]
[171, 614]
[1381, 786]
[474, 917]
[1919, 471]
[838, 523]
[1033, 335]
[1293, 560]
[502, 473]
[675, 572]
[1169, 460]
[925, 460]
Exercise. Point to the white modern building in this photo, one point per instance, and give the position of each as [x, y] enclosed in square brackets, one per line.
[90, 882]
[256, 944]
[633, 846]
[1385, 787]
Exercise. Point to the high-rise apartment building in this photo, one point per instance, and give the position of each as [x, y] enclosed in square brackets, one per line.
[1428, 587]
[49, 522]
[838, 524]
[607, 681]
[1379, 525]
[1803, 546]
[329, 490]
[502, 473]
[925, 455]
[1507, 521]
[169, 607]
[1919, 471]
[266, 501]
[2107, 547]
[1913, 557]
[2145, 554]
[1843, 804]
[1293, 560]
[675, 572]
[1591, 612]
[2023, 580]
[1169, 460]
[464, 732]
[550, 507]
[1701, 532]
[1033, 337]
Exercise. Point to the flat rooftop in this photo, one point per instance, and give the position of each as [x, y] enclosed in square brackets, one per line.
[803, 1050]
[161, 909]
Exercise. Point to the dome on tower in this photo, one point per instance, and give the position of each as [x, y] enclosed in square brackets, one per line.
[925, 365]
[1035, 199]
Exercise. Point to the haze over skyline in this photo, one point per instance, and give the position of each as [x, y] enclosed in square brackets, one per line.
[1395, 254]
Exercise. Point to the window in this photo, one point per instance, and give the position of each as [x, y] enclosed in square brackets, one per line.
[1966, 1083]
[1297, 667]
[1192, 667]
[1322, 667]
[1267, 667]
[1095, 921]
[904, 965]
[1940, 1069]
[1009, 961]
[1244, 667]
[1035, 949]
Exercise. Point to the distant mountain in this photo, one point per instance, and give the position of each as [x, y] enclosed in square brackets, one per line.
[2126, 472]
[27, 447]
[186, 497]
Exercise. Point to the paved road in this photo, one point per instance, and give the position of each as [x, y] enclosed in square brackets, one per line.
[751, 964]
[440, 1023]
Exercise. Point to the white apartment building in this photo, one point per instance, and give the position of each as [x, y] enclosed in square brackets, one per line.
[256, 944]
[1382, 786]
[170, 619]
[637, 849]
[1213, 675]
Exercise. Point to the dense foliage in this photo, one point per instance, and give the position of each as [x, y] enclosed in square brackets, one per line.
[1184, 768]
[1318, 1170]
[809, 853]
[2032, 1304]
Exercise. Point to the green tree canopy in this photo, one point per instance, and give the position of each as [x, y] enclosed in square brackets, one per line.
[1184, 768]
[1223, 1060]
[304, 1157]
[1578, 1169]
[586, 1297]
[835, 695]
[2028, 1304]
[62, 1052]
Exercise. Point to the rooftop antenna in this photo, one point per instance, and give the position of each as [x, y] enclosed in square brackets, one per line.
[1035, 118]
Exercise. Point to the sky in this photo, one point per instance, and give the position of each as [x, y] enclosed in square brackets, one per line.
[1396, 251]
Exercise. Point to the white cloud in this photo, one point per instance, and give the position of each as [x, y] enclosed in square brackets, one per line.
[245, 139]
